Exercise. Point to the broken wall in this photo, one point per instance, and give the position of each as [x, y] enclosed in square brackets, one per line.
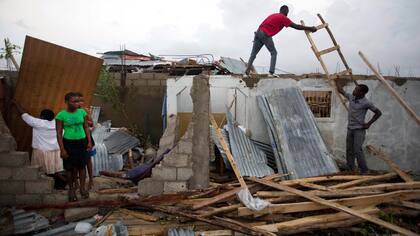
[143, 98]
[395, 131]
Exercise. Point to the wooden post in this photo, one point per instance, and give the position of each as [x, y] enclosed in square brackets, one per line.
[410, 111]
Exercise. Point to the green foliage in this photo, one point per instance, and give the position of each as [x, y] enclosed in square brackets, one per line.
[9, 49]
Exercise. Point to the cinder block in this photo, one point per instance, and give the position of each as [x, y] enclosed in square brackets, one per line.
[7, 143]
[153, 82]
[177, 160]
[14, 159]
[26, 173]
[43, 185]
[167, 141]
[28, 199]
[150, 187]
[55, 198]
[164, 173]
[76, 214]
[174, 187]
[184, 147]
[184, 174]
[5, 173]
[7, 200]
[12, 187]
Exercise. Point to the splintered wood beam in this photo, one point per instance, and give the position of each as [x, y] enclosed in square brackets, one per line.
[366, 180]
[337, 207]
[337, 75]
[376, 152]
[333, 193]
[314, 220]
[322, 178]
[354, 201]
[403, 103]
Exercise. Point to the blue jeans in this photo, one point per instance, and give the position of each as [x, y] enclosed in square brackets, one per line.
[261, 39]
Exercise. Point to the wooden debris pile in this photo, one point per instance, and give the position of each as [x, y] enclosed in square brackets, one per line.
[297, 206]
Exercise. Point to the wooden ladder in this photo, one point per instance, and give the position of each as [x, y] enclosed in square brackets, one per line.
[330, 77]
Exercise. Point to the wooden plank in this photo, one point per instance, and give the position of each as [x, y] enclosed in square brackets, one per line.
[412, 205]
[221, 210]
[314, 186]
[337, 206]
[334, 193]
[390, 187]
[214, 233]
[365, 180]
[227, 152]
[403, 103]
[354, 201]
[328, 50]
[321, 26]
[217, 198]
[314, 220]
[376, 152]
[139, 215]
[321, 179]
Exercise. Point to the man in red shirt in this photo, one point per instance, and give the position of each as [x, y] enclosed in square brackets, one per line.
[268, 28]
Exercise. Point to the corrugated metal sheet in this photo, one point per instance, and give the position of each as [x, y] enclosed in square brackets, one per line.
[266, 148]
[103, 160]
[234, 66]
[47, 73]
[180, 232]
[289, 120]
[25, 222]
[94, 114]
[250, 160]
[119, 142]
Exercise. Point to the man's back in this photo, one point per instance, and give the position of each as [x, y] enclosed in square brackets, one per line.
[274, 23]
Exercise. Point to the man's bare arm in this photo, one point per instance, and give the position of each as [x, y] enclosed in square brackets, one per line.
[302, 27]
[339, 86]
[378, 114]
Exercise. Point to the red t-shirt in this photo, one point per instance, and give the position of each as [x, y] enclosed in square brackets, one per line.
[274, 23]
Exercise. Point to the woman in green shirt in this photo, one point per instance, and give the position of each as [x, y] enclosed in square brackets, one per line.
[74, 142]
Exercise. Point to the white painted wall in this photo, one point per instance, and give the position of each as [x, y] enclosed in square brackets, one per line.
[395, 131]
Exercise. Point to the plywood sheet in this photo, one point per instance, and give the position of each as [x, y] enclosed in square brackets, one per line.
[47, 73]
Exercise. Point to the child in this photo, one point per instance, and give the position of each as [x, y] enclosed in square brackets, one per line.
[74, 143]
[93, 151]
[46, 152]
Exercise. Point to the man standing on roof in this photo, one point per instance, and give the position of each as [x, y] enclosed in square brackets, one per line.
[268, 28]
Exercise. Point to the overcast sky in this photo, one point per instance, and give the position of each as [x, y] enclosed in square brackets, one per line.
[385, 30]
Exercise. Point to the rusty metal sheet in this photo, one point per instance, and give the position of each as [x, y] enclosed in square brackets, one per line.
[47, 73]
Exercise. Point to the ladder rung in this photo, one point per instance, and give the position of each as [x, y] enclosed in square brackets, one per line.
[344, 72]
[328, 50]
[321, 26]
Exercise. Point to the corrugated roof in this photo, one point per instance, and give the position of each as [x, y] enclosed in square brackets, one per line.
[250, 160]
[119, 142]
[289, 120]
[234, 66]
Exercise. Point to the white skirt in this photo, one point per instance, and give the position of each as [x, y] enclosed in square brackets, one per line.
[49, 161]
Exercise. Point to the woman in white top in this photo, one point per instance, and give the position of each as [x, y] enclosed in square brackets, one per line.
[46, 152]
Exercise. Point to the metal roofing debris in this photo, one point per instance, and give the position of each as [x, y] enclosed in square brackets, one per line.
[94, 114]
[234, 66]
[65, 229]
[119, 142]
[25, 222]
[250, 160]
[268, 150]
[303, 152]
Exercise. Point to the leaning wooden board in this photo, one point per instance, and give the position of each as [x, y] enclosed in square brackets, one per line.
[47, 73]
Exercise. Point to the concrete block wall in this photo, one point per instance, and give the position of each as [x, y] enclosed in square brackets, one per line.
[20, 183]
[175, 170]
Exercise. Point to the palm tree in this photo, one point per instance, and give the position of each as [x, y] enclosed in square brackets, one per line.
[8, 51]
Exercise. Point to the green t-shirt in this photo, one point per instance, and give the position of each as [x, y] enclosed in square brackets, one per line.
[72, 124]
